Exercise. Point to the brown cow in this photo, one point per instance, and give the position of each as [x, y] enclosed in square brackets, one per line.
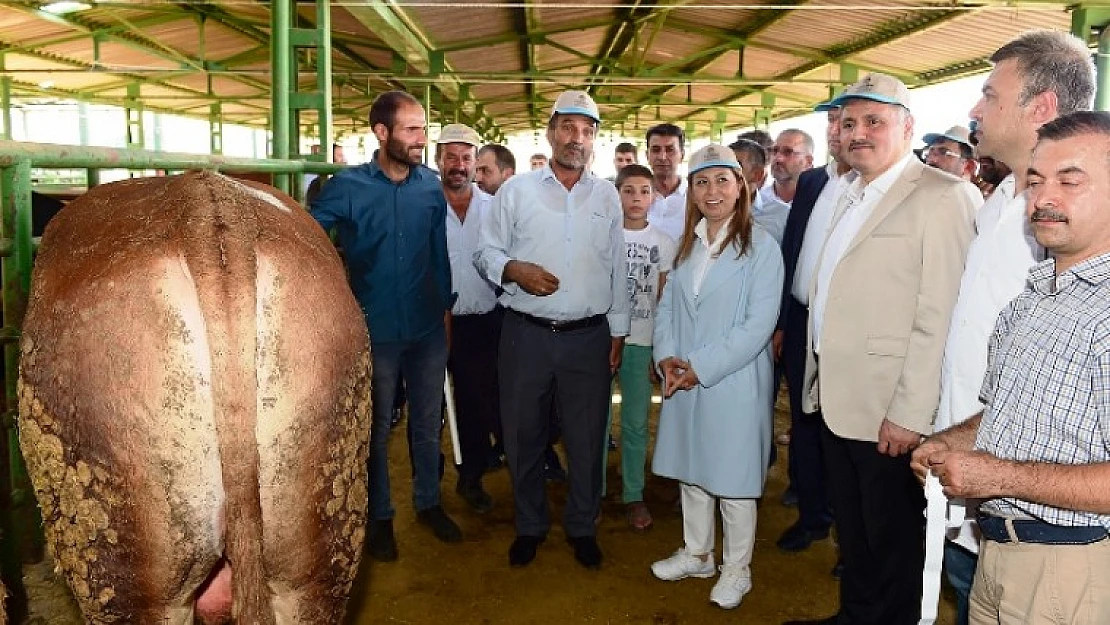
[194, 405]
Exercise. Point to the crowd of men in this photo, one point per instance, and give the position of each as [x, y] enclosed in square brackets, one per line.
[909, 307]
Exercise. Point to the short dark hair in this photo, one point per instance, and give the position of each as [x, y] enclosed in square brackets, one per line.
[502, 155]
[634, 170]
[1055, 61]
[762, 137]
[667, 130]
[1075, 124]
[751, 148]
[384, 108]
[625, 147]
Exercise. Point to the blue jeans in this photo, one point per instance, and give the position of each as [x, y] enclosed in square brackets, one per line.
[422, 363]
[959, 567]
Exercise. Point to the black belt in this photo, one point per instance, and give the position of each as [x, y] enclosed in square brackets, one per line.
[1039, 532]
[562, 326]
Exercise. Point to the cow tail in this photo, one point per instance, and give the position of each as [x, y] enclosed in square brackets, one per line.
[223, 263]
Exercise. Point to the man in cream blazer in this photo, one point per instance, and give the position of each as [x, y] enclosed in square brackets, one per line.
[880, 306]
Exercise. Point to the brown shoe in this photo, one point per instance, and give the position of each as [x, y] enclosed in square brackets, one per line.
[639, 517]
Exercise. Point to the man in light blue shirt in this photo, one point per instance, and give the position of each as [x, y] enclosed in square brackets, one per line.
[554, 241]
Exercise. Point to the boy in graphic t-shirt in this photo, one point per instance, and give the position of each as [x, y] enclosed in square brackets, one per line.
[650, 255]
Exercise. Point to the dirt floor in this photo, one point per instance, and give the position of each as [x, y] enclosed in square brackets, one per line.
[472, 583]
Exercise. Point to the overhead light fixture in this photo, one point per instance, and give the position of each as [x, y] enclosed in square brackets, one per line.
[63, 7]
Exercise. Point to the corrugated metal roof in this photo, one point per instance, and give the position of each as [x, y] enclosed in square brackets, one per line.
[690, 61]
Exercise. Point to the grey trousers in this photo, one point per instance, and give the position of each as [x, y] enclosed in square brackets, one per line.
[535, 364]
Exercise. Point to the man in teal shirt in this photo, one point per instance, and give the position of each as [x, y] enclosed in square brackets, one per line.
[389, 216]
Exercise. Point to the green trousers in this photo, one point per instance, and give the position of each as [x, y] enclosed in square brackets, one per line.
[635, 385]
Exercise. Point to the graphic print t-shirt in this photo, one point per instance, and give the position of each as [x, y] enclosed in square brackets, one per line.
[648, 253]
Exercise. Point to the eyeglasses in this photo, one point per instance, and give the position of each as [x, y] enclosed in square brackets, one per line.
[784, 150]
[940, 152]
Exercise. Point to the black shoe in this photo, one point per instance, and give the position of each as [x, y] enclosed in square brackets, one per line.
[799, 538]
[586, 551]
[442, 526]
[470, 489]
[495, 461]
[523, 550]
[395, 418]
[380, 543]
[838, 568]
[832, 620]
[789, 498]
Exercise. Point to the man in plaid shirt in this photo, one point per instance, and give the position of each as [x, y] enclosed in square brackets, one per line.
[1039, 453]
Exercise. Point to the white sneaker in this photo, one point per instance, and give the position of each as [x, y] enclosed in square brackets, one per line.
[735, 582]
[682, 565]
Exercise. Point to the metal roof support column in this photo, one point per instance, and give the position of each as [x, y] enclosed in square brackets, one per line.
[428, 117]
[1102, 66]
[216, 128]
[281, 54]
[136, 138]
[5, 103]
[92, 176]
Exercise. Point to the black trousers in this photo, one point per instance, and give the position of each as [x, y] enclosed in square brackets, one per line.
[878, 507]
[572, 367]
[472, 362]
[807, 457]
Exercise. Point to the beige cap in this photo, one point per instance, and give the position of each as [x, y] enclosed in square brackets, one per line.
[713, 155]
[877, 88]
[459, 133]
[576, 103]
[957, 133]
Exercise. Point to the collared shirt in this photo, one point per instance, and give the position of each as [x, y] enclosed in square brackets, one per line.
[668, 212]
[705, 253]
[476, 295]
[817, 230]
[771, 214]
[1047, 388]
[769, 194]
[859, 200]
[394, 239]
[998, 263]
[576, 235]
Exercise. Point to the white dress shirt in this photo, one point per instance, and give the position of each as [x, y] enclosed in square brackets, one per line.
[817, 230]
[706, 252]
[769, 195]
[859, 200]
[577, 235]
[996, 270]
[668, 212]
[476, 295]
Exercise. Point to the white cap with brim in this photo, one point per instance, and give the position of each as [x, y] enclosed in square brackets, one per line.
[459, 133]
[576, 103]
[712, 155]
[958, 134]
[877, 88]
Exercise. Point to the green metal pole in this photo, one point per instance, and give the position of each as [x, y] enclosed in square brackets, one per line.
[1102, 66]
[6, 103]
[92, 176]
[323, 76]
[280, 65]
[216, 128]
[428, 117]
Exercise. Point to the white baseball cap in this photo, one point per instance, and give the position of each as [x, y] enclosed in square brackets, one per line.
[576, 103]
[713, 155]
[459, 133]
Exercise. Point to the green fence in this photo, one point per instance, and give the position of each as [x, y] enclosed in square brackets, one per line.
[20, 531]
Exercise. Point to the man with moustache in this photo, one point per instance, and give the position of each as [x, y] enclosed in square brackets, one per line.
[474, 325]
[390, 217]
[1036, 78]
[791, 154]
[1037, 453]
[538, 161]
[666, 147]
[880, 305]
[554, 240]
[496, 164]
[807, 226]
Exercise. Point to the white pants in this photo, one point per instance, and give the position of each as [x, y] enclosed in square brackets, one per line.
[699, 531]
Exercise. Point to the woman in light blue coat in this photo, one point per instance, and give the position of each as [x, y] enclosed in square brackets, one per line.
[713, 332]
